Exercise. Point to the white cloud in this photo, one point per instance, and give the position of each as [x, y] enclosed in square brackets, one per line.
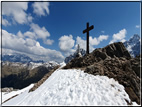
[30, 34]
[96, 41]
[37, 44]
[137, 26]
[29, 46]
[102, 31]
[16, 10]
[123, 40]
[31, 42]
[82, 43]
[119, 36]
[102, 37]
[40, 32]
[49, 42]
[29, 18]
[66, 43]
[41, 8]
[20, 35]
[5, 22]
[92, 41]
[37, 32]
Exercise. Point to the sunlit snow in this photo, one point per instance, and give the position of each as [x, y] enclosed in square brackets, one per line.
[7, 95]
[74, 87]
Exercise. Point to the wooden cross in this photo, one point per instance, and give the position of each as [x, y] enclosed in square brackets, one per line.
[87, 30]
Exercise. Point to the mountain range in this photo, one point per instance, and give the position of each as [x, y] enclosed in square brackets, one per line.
[19, 75]
[133, 45]
[19, 58]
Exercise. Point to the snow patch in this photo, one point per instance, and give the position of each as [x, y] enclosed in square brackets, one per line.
[129, 48]
[74, 87]
[7, 95]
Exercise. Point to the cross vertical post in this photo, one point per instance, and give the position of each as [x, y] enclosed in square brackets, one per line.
[87, 41]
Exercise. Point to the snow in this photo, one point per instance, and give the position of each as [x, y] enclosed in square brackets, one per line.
[34, 65]
[74, 87]
[129, 48]
[62, 64]
[7, 95]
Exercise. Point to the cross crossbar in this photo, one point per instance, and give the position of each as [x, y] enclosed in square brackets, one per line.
[88, 28]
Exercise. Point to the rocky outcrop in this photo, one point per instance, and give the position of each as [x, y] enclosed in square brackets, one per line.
[121, 70]
[135, 62]
[110, 51]
[115, 62]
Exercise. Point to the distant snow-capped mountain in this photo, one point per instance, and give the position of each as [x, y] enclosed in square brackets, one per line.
[72, 56]
[133, 45]
[30, 65]
[19, 75]
[19, 58]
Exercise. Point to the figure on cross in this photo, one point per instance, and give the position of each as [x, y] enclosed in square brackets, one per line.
[78, 54]
[87, 42]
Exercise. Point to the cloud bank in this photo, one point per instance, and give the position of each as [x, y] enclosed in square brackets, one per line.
[29, 46]
[16, 11]
[68, 45]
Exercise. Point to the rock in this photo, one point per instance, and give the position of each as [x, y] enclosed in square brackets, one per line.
[116, 49]
[132, 94]
[115, 62]
[110, 51]
[7, 89]
[135, 62]
[121, 71]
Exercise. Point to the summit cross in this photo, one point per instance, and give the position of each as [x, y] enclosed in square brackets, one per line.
[87, 42]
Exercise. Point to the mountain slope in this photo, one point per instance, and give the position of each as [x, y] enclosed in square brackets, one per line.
[19, 75]
[133, 45]
[74, 87]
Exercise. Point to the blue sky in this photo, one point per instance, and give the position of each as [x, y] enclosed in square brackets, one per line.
[52, 30]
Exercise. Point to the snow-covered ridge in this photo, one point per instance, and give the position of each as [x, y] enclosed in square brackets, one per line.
[31, 65]
[19, 58]
[74, 87]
